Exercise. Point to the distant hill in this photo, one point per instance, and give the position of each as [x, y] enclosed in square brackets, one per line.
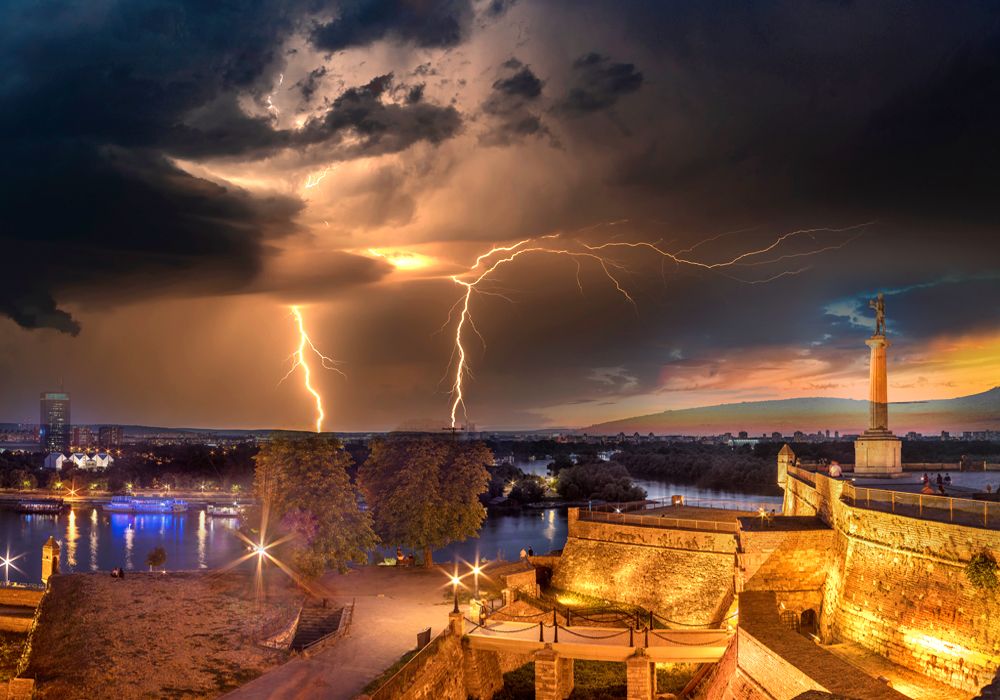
[976, 412]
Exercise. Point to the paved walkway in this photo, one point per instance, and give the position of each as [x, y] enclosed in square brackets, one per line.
[392, 605]
[910, 683]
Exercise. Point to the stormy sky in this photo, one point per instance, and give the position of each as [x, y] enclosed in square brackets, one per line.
[176, 175]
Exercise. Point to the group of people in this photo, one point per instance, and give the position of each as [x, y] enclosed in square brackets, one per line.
[402, 560]
[119, 572]
[941, 481]
[527, 553]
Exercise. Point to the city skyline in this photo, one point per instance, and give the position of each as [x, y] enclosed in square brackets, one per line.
[174, 201]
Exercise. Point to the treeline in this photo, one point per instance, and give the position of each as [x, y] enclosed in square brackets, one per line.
[706, 466]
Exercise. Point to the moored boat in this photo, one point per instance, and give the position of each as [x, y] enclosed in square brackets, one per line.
[128, 504]
[223, 509]
[52, 506]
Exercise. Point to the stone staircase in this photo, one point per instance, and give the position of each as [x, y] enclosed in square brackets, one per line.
[315, 622]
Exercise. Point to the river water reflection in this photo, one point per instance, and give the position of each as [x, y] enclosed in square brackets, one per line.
[92, 540]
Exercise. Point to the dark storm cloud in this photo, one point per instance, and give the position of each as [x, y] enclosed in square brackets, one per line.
[508, 106]
[498, 8]
[97, 100]
[308, 85]
[383, 127]
[598, 83]
[424, 23]
[524, 83]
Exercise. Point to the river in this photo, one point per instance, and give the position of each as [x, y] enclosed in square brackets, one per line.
[92, 540]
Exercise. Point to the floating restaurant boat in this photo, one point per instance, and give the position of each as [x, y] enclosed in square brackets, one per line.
[128, 504]
[223, 510]
[52, 506]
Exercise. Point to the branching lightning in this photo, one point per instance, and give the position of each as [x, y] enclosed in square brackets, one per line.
[319, 178]
[611, 269]
[300, 361]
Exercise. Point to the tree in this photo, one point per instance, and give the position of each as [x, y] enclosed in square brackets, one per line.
[424, 493]
[305, 494]
[528, 489]
[606, 481]
[156, 558]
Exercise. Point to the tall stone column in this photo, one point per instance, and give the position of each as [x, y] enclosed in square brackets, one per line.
[878, 393]
[878, 452]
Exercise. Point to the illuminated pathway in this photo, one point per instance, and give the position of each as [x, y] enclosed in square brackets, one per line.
[391, 606]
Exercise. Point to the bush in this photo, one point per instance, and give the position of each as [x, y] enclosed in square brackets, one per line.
[606, 481]
[982, 572]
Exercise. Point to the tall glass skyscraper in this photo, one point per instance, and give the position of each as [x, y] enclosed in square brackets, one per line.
[55, 422]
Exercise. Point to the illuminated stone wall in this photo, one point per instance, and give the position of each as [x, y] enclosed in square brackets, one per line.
[791, 562]
[681, 575]
[897, 586]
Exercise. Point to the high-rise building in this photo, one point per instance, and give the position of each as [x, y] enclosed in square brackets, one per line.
[110, 436]
[55, 433]
[81, 436]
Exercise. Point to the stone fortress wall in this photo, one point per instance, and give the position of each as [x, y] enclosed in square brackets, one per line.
[680, 574]
[897, 586]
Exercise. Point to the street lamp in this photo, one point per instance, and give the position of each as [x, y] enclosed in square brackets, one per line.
[475, 570]
[454, 592]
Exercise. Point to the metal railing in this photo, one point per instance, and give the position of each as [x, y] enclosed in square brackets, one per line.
[658, 521]
[654, 503]
[345, 624]
[962, 511]
[397, 685]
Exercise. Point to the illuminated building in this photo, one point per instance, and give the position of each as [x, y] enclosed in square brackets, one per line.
[55, 433]
[110, 436]
[81, 436]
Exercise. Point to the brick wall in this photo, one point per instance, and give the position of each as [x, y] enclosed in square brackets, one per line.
[443, 677]
[687, 540]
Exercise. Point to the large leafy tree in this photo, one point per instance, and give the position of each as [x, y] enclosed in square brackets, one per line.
[424, 492]
[307, 503]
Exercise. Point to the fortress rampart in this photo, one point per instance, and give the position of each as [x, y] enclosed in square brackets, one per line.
[681, 574]
[896, 585]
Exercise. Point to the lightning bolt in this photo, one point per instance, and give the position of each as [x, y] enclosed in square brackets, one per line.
[606, 266]
[312, 183]
[300, 361]
[270, 105]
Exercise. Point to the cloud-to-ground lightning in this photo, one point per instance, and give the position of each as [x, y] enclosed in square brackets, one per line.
[606, 266]
[300, 361]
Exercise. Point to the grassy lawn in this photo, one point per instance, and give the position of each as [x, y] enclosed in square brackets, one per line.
[11, 648]
[595, 680]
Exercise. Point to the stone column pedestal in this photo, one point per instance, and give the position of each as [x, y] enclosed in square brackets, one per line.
[641, 674]
[456, 623]
[553, 675]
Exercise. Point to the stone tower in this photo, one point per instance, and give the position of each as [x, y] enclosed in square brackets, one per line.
[878, 451]
[50, 559]
[786, 459]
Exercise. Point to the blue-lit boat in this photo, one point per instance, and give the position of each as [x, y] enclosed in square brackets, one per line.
[128, 504]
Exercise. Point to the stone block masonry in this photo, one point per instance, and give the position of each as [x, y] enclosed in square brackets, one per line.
[679, 574]
[896, 585]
